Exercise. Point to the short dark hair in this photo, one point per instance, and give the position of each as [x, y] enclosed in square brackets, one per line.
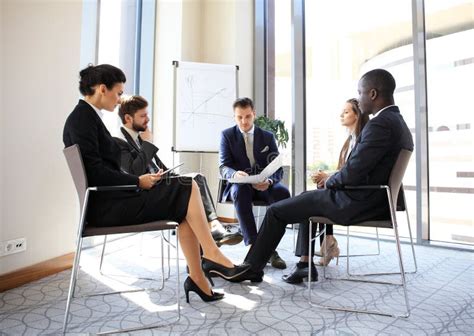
[243, 103]
[130, 105]
[381, 80]
[99, 74]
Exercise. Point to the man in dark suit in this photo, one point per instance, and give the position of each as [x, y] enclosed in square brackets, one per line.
[246, 150]
[371, 162]
[139, 156]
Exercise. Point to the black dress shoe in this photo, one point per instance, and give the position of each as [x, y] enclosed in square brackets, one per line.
[300, 272]
[217, 235]
[229, 238]
[276, 261]
[250, 275]
[227, 273]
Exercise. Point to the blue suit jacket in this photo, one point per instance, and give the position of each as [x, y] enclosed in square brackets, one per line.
[233, 157]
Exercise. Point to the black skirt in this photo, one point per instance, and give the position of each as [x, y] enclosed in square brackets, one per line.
[168, 199]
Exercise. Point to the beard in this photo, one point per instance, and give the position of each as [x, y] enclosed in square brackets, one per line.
[138, 127]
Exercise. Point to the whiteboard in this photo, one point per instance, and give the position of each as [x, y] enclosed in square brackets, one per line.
[203, 98]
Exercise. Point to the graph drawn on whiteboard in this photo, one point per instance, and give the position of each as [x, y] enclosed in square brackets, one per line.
[204, 94]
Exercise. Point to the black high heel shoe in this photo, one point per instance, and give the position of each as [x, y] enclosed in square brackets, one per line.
[208, 276]
[227, 273]
[190, 286]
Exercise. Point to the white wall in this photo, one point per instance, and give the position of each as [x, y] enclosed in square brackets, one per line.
[39, 64]
[1, 124]
[39, 67]
[206, 31]
[227, 38]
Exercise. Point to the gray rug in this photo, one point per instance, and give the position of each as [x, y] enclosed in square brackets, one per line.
[440, 295]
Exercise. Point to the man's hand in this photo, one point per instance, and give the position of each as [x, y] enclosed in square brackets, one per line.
[146, 135]
[147, 181]
[262, 186]
[240, 173]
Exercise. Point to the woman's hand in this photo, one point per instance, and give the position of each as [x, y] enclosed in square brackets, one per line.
[319, 177]
[147, 181]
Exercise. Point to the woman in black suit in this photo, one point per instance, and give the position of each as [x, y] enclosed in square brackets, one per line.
[156, 198]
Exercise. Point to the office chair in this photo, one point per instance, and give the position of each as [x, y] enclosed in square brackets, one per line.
[76, 167]
[255, 203]
[392, 190]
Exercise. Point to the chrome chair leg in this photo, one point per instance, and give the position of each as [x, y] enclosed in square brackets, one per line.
[401, 266]
[412, 246]
[158, 325]
[72, 283]
[366, 254]
[294, 237]
[411, 241]
[102, 254]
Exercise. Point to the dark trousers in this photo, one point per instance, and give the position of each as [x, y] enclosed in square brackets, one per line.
[243, 195]
[292, 210]
[302, 248]
[207, 201]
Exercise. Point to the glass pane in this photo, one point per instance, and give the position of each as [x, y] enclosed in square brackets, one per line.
[450, 70]
[283, 59]
[365, 35]
[116, 46]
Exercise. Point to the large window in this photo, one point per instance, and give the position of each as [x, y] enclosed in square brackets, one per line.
[126, 39]
[450, 70]
[283, 59]
[345, 39]
[365, 35]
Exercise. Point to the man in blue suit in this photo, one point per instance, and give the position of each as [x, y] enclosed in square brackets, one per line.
[246, 149]
[370, 162]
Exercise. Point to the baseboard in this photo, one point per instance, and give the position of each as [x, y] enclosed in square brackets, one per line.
[35, 272]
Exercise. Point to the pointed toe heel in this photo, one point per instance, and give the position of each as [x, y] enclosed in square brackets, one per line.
[190, 286]
[227, 273]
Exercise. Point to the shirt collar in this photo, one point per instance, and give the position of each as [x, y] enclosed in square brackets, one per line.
[249, 132]
[134, 134]
[386, 107]
[98, 111]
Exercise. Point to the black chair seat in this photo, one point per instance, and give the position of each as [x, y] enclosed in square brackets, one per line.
[108, 230]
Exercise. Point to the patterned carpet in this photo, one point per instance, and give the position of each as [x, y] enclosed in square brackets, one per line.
[440, 293]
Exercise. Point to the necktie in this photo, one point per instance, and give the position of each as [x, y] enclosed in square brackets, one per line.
[249, 148]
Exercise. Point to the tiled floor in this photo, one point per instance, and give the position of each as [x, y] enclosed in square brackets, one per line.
[440, 294]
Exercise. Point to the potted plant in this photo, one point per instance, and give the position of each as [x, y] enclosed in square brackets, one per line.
[277, 127]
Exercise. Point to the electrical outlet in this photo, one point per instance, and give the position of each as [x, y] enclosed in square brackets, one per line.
[12, 246]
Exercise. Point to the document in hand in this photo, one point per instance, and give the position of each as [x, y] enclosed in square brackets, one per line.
[264, 174]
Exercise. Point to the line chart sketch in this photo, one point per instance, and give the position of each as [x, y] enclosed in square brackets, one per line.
[204, 94]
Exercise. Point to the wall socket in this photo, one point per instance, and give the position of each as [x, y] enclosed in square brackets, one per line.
[12, 246]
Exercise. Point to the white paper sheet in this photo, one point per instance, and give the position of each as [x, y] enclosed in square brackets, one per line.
[264, 174]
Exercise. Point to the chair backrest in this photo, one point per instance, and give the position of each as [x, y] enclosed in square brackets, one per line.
[398, 171]
[78, 172]
[220, 191]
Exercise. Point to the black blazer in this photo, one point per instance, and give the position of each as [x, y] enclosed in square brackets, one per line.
[370, 162]
[100, 153]
[136, 160]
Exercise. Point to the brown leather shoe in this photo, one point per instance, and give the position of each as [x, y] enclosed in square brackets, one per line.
[276, 261]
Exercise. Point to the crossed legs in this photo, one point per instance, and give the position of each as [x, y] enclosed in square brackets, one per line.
[194, 231]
